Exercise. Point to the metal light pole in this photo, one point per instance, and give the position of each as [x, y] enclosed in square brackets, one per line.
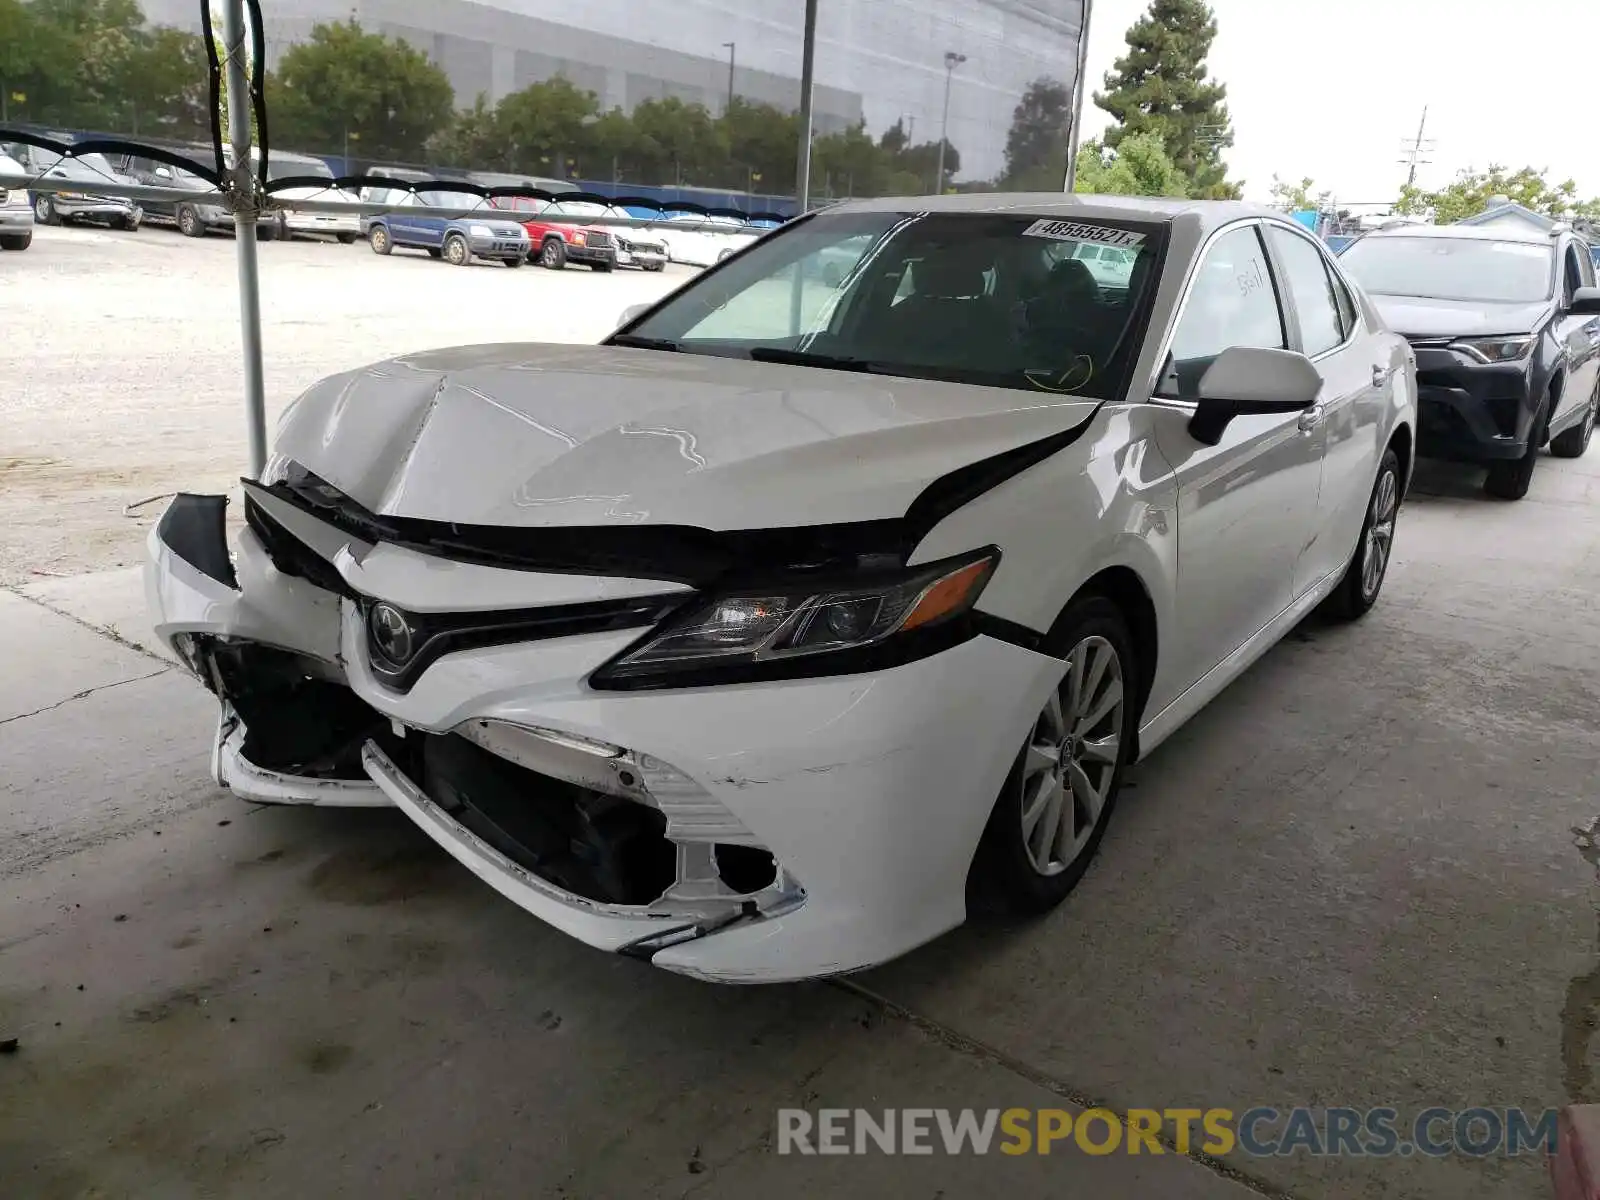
[244, 227]
[730, 47]
[1073, 139]
[952, 60]
[808, 62]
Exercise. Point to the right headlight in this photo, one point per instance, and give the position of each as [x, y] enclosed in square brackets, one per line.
[807, 629]
[1498, 349]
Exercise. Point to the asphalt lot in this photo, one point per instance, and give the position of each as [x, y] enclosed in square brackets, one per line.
[1352, 881]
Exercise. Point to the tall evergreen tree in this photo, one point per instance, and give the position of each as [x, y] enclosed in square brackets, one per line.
[1160, 86]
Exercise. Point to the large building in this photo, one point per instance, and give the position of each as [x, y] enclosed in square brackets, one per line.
[878, 60]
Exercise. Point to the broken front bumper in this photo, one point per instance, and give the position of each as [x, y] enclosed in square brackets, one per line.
[760, 832]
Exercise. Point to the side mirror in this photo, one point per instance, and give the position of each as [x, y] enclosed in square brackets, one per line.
[1246, 380]
[632, 313]
[1585, 302]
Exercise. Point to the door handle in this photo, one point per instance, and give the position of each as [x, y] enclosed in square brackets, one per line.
[1311, 418]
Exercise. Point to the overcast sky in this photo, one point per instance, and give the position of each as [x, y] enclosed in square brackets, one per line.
[1332, 91]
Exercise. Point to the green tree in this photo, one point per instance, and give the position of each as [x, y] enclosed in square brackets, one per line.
[848, 163]
[1298, 197]
[380, 93]
[1470, 192]
[544, 124]
[762, 140]
[38, 61]
[680, 143]
[1138, 167]
[471, 139]
[1040, 137]
[1161, 86]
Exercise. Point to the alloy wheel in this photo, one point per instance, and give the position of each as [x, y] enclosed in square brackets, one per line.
[1071, 759]
[1379, 542]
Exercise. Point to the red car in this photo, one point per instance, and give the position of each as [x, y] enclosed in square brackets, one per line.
[559, 233]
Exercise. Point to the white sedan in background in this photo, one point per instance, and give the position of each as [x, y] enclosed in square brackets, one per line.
[759, 640]
[702, 241]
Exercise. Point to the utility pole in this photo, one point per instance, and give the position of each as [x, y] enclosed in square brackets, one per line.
[731, 48]
[952, 60]
[1075, 134]
[1415, 149]
[808, 63]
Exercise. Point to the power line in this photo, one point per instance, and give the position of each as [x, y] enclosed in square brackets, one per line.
[1414, 148]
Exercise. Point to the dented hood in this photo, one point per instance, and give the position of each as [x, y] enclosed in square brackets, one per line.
[542, 436]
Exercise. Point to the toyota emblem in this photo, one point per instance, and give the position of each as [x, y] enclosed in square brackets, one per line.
[390, 633]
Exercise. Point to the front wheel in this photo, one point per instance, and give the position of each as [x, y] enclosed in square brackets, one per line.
[602, 267]
[44, 211]
[1058, 796]
[456, 252]
[1573, 442]
[130, 224]
[189, 223]
[1369, 566]
[346, 239]
[553, 255]
[378, 237]
[513, 262]
[16, 243]
[1510, 480]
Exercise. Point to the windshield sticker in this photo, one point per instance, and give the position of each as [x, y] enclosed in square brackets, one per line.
[1074, 231]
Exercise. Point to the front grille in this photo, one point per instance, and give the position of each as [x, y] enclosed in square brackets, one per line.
[600, 240]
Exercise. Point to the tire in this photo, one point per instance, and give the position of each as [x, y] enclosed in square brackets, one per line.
[603, 267]
[268, 231]
[657, 267]
[17, 243]
[128, 224]
[189, 222]
[456, 251]
[1369, 565]
[346, 239]
[435, 252]
[378, 237]
[44, 211]
[513, 262]
[1573, 442]
[1016, 870]
[1510, 480]
[553, 254]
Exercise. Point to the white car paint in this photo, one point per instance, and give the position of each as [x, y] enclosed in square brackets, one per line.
[870, 787]
[702, 241]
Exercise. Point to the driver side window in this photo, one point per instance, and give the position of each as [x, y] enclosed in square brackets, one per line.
[1233, 301]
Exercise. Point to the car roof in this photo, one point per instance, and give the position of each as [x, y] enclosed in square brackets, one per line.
[1209, 214]
[1476, 233]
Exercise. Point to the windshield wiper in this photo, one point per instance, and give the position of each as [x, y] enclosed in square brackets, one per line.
[639, 342]
[806, 358]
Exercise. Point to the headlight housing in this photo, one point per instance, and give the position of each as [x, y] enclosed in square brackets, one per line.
[1498, 349]
[480, 231]
[802, 628]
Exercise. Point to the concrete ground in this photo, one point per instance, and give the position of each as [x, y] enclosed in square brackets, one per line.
[1351, 881]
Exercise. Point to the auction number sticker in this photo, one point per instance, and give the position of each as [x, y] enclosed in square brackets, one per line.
[1075, 231]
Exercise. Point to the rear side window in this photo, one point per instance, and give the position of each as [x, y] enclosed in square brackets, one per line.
[1321, 323]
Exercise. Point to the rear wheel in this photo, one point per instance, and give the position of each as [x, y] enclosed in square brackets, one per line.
[602, 267]
[456, 252]
[553, 254]
[378, 237]
[1369, 566]
[189, 222]
[1057, 798]
[1573, 442]
[1510, 480]
[44, 211]
[346, 239]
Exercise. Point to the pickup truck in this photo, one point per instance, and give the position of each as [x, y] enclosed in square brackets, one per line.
[559, 231]
[482, 234]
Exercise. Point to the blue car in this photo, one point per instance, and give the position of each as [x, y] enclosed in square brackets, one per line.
[457, 240]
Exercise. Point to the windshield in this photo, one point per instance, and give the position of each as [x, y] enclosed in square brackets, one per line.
[278, 168]
[90, 166]
[443, 199]
[1440, 268]
[575, 208]
[969, 297]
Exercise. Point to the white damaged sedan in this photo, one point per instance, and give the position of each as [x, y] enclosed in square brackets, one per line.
[813, 607]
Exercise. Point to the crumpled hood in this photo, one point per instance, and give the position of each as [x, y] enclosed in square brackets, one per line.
[541, 436]
[1416, 316]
